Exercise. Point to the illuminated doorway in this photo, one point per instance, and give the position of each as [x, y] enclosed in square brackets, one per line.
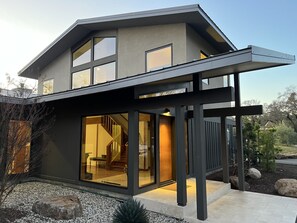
[166, 147]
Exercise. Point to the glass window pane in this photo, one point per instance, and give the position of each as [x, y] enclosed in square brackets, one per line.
[159, 58]
[104, 73]
[82, 55]
[81, 79]
[48, 86]
[19, 144]
[146, 149]
[105, 149]
[104, 47]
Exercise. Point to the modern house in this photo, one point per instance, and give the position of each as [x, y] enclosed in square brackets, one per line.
[130, 94]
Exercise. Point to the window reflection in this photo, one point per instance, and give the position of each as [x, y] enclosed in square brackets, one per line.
[105, 149]
[104, 47]
[104, 73]
[159, 58]
[48, 86]
[82, 55]
[19, 144]
[146, 149]
[81, 79]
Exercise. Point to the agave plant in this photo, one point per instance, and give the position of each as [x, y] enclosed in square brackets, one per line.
[130, 211]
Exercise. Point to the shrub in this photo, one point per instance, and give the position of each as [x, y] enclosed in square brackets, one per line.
[250, 134]
[286, 135]
[268, 149]
[130, 211]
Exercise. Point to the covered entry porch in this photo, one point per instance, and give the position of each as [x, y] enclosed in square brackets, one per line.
[233, 63]
[163, 199]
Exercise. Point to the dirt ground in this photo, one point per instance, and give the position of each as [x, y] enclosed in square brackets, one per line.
[266, 183]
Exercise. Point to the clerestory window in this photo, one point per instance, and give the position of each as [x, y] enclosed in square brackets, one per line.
[94, 62]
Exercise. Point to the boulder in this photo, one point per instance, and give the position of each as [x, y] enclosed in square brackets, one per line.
[234, 182]
[254, 173]
[59, 207]
[286, 187]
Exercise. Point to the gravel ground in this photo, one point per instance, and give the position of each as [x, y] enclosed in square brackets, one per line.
[96, 208]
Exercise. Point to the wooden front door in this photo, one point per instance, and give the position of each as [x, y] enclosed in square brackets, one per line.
[165, 149]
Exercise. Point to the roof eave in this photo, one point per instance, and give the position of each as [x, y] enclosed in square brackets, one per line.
[234, 62]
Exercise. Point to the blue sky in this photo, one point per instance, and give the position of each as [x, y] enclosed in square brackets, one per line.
[27, 27]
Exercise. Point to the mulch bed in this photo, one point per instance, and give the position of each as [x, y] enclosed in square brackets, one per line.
[266, 183]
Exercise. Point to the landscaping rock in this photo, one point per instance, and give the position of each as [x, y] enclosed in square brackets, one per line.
[254, 173]
[234, 182]
[286, 187]
[59, 207]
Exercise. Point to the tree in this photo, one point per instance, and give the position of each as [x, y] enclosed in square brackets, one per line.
[285, 135]
[284, 109]
[288, 101]
[23, 122]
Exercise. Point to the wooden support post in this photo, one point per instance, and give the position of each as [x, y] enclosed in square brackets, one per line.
[199, 153]
[240, 161]
[181, 179]
[225, 151]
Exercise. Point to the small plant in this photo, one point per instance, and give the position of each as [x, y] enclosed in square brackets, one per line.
[130, 211]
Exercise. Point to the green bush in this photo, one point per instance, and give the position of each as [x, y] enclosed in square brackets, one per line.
[268, 149]
[130, 211]
[286, 135]
[250, 133]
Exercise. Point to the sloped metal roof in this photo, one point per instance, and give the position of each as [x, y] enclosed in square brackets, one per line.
[240, 61]
[191, 14]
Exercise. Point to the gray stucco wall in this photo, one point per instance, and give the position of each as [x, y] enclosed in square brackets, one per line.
[59, 70]
[134, 42]
[195, 44]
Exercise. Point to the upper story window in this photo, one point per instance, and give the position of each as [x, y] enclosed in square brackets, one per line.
[104, 47]
[48, 86]
[104, 73]
[159, 58]
[82, 55]
[94, 62]
[81, 79]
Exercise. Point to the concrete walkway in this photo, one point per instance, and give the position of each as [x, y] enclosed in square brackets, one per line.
[287, 161]
[249, 207]
[224, 204]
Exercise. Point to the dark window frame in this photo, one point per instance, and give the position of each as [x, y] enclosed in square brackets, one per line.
[93, 63]
[155, 150]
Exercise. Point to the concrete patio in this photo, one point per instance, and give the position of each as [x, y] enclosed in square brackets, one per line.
[224, 204]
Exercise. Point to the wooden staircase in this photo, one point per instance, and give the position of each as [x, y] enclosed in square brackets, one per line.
[117, 149]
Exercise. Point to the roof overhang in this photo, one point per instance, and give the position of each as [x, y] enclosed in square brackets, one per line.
[191, 14]
[248, 59]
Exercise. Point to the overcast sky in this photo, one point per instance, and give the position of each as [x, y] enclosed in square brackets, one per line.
[27, 27]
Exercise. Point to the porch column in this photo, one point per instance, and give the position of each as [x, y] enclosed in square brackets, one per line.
[225, 151]
[240, 161]
[181, 178]
[133, 152]
[199, 153]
